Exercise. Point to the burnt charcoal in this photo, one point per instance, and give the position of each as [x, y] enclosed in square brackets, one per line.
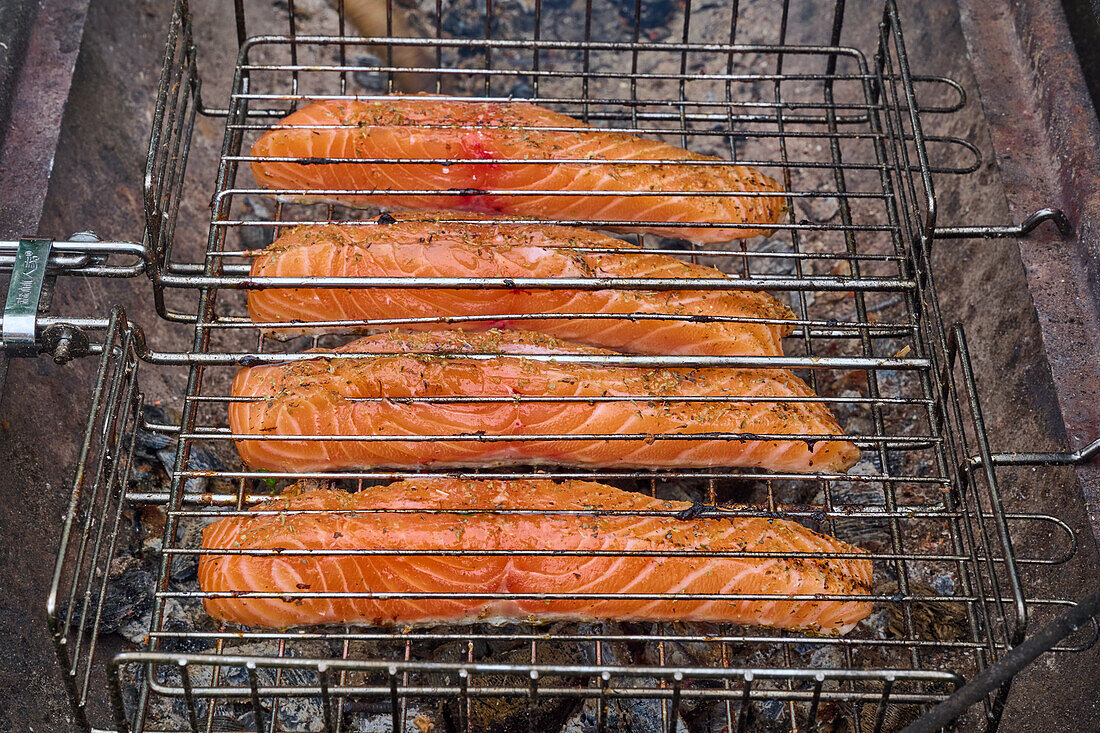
[147, 476]
[251, 236]
[506, 714]
[941, 621]
[204, 459]
[708, 717]
[864, 497]
[819, 209]
[827, 657]
[680, 653]
[360, 723]
[148, 442]
[223, 722]
[769, 715]
[373, 80]
[136, 629]
[944, 584]
[129, 595]
[189, 616]
[894, 718]
[297, 713]
[158, 415]
[522, 89]
[162, 713]
[653, 13]
[466, 19]
[876, 623]
[300, 713]
[171, 714]
[181, 644]
[623, 715]
[613, 653]
[417, 720]
[464, 22]
[188, 535]
[154, 453]
[668, 243]
[484, 648]
[201, 459]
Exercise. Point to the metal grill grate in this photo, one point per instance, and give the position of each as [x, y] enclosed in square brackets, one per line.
[841, 130]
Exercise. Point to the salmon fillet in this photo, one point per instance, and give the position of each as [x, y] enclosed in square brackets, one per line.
[370, 396]
[388, 132]
[430, 246]
[340, 523]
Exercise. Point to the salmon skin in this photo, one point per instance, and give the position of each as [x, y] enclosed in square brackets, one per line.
[339, 524]
[432, 246]
[596, 168]
[389, 395]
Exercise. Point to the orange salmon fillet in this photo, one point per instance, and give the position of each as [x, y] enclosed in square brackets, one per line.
[422, 247]
[370, 396]
[340, 524]
[374, 138]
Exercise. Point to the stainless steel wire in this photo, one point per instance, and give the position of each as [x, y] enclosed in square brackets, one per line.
[843, 136]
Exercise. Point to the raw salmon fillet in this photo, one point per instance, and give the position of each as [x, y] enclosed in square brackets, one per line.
[370, 396]
[340, 523]
[374, 139]
[432, 246]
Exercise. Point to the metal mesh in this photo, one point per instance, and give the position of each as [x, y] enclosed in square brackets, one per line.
[825, 105]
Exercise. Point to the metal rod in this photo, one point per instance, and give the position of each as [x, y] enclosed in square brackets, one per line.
[1061, 221]
[1074, 458]
[1002, 672]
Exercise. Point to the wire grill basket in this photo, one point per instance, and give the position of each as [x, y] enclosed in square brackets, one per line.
[818, 96]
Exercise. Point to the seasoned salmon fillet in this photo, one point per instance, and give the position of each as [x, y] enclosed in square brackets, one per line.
[509, 158]
[649, 555]
[393, 390]
[430, 245]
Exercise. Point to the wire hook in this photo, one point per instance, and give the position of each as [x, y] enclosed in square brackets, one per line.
[1002, 232]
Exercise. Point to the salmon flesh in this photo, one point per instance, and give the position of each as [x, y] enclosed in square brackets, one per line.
[722, 322]
[643, 562]
[355, 412]
[509, 158]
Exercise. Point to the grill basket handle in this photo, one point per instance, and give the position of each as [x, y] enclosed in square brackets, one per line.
[1003, 671]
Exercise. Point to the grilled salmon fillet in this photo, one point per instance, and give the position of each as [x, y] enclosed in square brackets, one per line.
[460, 518]
[432, 246]
[357, 152]
[388, 396]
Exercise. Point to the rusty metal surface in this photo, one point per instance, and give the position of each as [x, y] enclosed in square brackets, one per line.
[1047, 140]
[37, 105]
[16, 17]
[39, 84]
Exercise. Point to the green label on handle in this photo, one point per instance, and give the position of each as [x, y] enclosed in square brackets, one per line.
[24, 293]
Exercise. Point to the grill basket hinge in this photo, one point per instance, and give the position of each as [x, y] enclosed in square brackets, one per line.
[35, 264]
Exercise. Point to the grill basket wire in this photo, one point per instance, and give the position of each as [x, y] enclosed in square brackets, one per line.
[90, 533]
[832, 125]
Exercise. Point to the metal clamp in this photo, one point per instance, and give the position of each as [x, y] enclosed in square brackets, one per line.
[24, 294]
